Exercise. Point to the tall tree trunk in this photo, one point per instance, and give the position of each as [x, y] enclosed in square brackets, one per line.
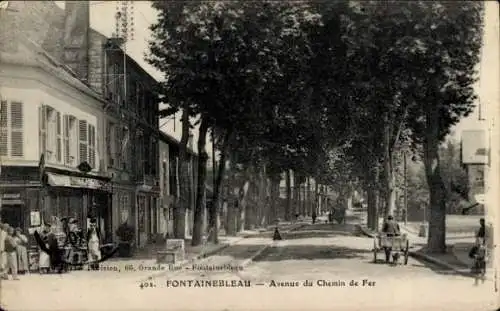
[309, 197]
[262, 204]
[274, 198]
[214, 210]
[390, 187]
[296, 193]
[288, 208]
[242, 203]
[183, 201]
[316, 197]
[436, 241]
[232, 198]
[201, 185]
[372, 193]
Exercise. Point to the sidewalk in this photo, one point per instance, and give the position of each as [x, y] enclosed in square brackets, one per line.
[144, 264]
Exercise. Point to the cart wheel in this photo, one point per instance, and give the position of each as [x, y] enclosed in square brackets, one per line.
[407, 250]
[375, 250]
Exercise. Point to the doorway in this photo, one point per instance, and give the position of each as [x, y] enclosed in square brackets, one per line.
[13, 215]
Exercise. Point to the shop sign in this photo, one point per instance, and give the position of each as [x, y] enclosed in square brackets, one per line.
[11, 196]
[78, 182]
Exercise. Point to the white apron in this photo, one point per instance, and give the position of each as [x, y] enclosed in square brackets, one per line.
[94, 250]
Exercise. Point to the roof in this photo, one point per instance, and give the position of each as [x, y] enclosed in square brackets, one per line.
[42, 22]
[25, 52]
[169, 139]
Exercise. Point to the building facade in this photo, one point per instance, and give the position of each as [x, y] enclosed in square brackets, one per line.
[109, 120]
[170, 187]
[46, 111]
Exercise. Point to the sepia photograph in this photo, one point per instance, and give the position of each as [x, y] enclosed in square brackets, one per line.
[249, 155]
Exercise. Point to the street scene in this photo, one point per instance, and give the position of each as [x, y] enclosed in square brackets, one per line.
[330, 256]
[249, 155]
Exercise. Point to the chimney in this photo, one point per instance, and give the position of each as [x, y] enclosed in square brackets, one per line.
[76, 38]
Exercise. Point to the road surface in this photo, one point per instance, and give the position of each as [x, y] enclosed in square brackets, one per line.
[337, 265]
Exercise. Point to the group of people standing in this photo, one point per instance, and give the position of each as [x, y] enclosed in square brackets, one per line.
[13, 252]
[58, 250]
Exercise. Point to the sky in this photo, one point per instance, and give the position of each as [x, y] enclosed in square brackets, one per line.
[102, 19]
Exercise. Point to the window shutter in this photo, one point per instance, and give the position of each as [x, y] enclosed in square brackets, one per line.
[4, 129]
[91, 145]
[58, 137]
[42, 123]
[16, 129]
[82, 140]
[66, 140]
[116, 146]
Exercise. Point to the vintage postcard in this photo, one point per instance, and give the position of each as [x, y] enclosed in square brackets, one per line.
[249, 155]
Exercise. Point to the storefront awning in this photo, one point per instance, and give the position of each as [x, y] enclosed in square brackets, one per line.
[148, 188]
[58, 180]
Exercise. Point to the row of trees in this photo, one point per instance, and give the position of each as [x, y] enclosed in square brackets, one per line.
[332, 91]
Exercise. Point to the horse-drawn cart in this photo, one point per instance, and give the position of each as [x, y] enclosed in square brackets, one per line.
[393, 247]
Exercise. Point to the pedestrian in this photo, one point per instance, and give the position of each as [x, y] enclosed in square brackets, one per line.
[22, 252]
[10, 250]
[276, 235]
[3, 255]
[93, 244]
[314, 217]
[480, 238]
[56, 254]
[391, 229]
[42, 240]
[481, 233]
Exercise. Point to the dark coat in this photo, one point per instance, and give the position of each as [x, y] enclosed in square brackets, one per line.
[391, 227]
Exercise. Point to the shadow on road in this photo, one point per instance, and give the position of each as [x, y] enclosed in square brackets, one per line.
[312, 234]
[310, 252]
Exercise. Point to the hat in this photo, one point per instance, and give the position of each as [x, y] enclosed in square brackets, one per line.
[18, 229]
[73, 221]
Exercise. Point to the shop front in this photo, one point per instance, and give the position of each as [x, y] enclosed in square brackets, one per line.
[148, 214]
[81, 198]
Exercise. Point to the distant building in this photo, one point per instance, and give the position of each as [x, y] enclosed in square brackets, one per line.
[170, 187]
[475, 158]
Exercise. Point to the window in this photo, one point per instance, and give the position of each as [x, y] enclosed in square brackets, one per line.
[70, 139]
[42, 120]
[139, 97]
[50, 139]
[58, 137]
[111, 145]
[125, 148]
[91, 144]
[83, 141]
[164, 174]
[11, 129]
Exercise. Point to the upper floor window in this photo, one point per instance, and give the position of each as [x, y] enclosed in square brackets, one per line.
[50, 133]
[11, 129]
[70, 137]
[66, 140]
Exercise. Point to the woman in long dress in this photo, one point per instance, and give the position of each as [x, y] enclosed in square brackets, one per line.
[44, 257]
[94, 250]
[22, 252]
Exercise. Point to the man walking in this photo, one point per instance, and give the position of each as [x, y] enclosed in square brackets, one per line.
[3, 257]
[10, 250]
